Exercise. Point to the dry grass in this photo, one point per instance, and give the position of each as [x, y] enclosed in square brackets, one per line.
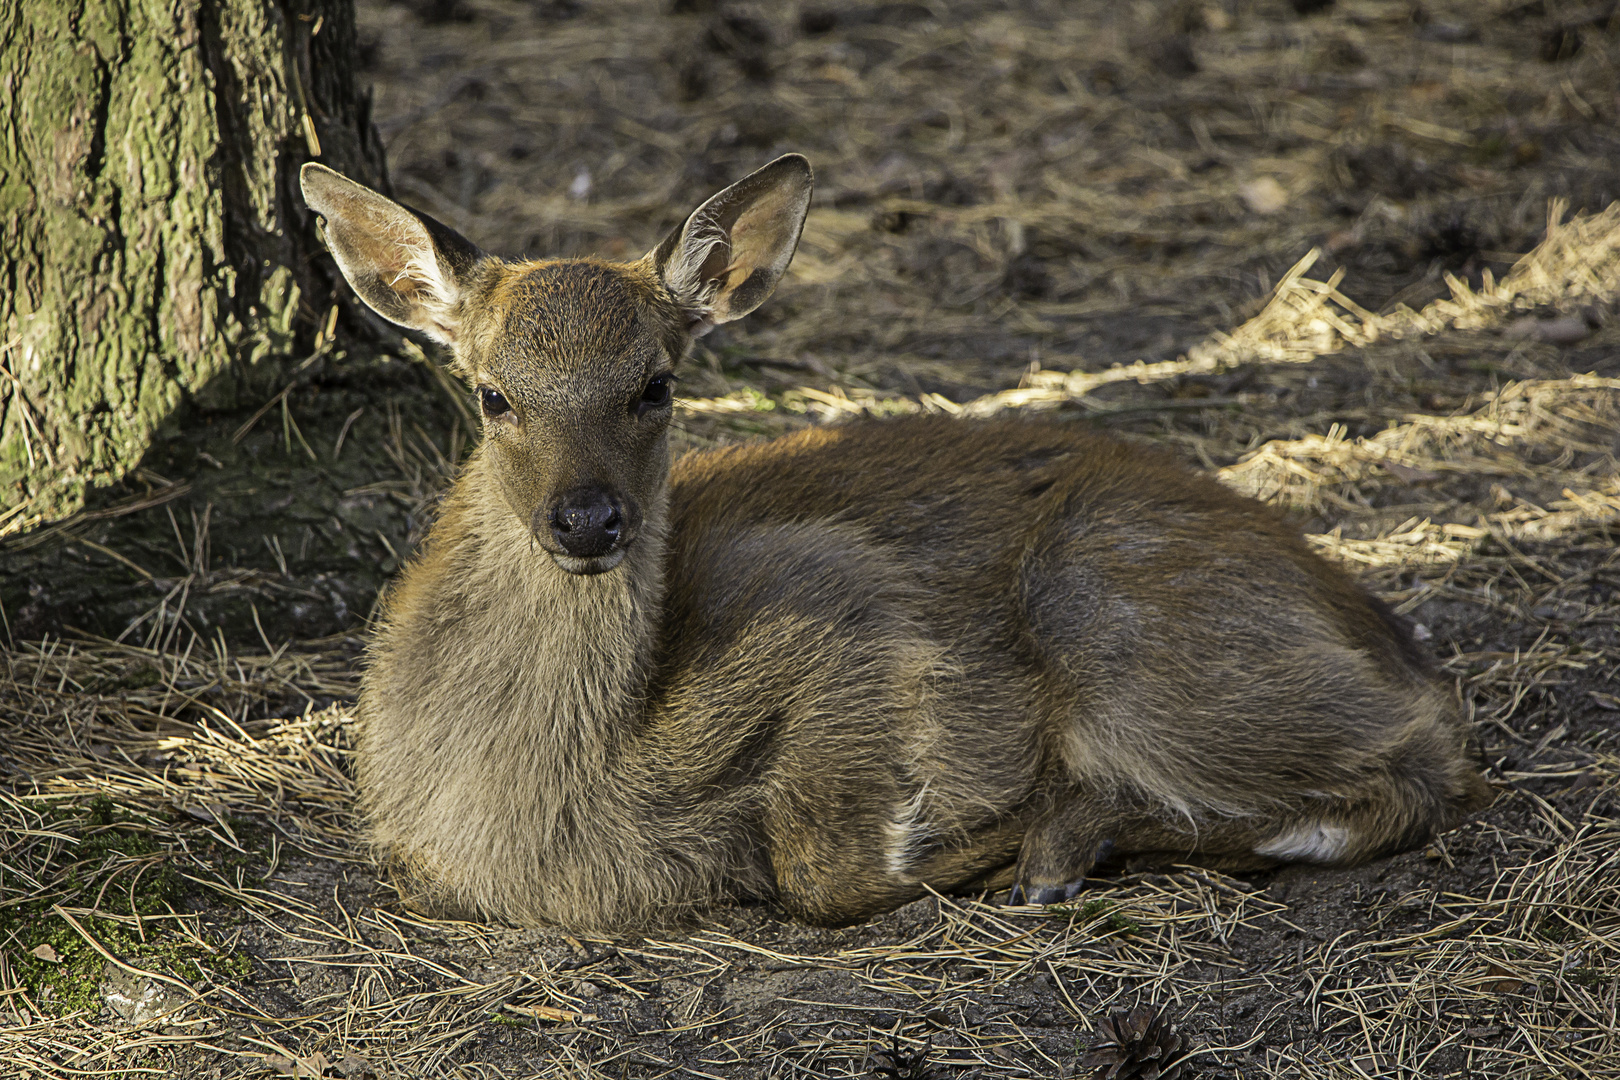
[1517, 974]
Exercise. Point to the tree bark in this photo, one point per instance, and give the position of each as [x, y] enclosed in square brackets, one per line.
[152, 243]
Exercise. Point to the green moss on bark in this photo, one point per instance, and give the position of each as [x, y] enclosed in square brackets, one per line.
[150, 241]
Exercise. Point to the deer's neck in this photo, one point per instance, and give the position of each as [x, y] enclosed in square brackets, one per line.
[500, 712]
[580, 646]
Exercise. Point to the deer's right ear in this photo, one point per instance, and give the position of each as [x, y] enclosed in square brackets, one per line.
[407, 267]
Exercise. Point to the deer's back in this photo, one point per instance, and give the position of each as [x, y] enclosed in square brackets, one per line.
[1029, 519]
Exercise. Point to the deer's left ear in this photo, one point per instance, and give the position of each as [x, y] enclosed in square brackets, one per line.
[728, 257]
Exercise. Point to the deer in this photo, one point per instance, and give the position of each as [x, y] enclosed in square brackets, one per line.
[836, 670]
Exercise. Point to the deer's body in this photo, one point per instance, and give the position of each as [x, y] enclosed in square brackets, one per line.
[833, 669]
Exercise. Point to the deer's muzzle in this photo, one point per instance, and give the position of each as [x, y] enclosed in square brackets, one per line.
[585, 530]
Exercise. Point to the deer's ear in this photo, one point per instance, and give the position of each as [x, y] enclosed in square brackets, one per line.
[733, 250]
[407, 267]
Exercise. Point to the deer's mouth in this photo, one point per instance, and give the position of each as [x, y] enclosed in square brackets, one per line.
[588, 565]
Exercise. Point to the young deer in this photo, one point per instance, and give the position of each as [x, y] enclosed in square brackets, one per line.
[836, 668]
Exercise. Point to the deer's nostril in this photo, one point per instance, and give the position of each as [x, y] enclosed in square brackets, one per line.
[585, 524]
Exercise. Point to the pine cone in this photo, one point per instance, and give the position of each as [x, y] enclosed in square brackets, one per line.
[898, 1064]
[1138, 1044]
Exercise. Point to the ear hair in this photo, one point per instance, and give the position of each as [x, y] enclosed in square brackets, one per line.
[703, 242]
[407, 267]
[733, 250]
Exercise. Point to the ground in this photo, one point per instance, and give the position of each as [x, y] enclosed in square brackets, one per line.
[1013, 200]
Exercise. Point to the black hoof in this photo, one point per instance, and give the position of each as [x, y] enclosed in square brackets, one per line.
[1044, 894]
[1056, 894]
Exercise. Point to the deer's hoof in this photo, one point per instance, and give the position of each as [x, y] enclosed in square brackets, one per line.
[1027, 892]
[1045, 894]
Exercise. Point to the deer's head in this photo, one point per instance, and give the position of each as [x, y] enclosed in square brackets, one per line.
[573, 360]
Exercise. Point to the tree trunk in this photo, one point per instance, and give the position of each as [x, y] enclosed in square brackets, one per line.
[152, 242]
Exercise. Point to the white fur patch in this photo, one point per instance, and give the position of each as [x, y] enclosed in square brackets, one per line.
[903, 834]
[1308, 843]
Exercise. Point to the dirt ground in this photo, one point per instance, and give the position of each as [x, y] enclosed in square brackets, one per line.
[1012, 200]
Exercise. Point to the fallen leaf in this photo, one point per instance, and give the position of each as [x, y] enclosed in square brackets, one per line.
[46, 953]
[1375, 1066]
[1501, 981]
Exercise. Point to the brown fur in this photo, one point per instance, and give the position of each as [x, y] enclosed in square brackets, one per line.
[837, 668]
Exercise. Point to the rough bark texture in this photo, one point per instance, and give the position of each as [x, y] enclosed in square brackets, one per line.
[151, 240]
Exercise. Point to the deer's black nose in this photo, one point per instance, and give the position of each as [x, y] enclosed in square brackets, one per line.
[585, 523]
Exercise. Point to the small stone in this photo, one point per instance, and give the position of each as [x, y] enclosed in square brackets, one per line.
[581, 187]
[355, 1067]
[135, 999]
[1264, 195]
[1564, 330]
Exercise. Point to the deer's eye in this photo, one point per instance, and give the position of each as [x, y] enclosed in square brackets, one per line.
[655, 395]
[493, 401]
